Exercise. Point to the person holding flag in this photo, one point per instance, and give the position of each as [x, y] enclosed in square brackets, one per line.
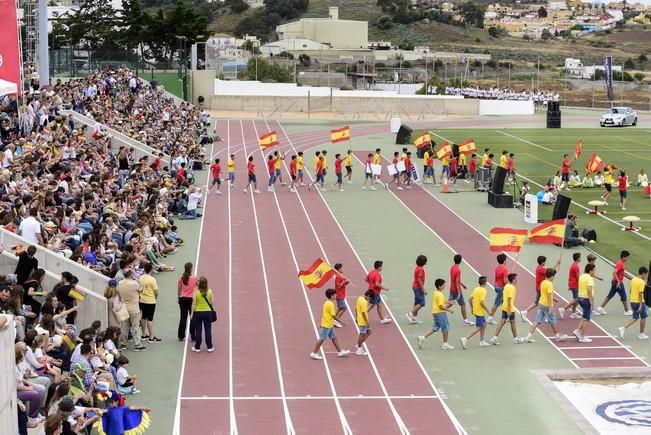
[271, 168]
[277, 165]
[327, 330]
[338, 173]
[374, 281]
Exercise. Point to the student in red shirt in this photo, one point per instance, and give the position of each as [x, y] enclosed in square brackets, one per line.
[374, 280]
[573, 286]
[408, 170]
[396, 176]
[472, 167]
[457, 287]
[215, 170]
[157, 162]
[340, 298]
[271, 169]
[565, 170]
[293, 173]
[250, 169]
[340, 178]
[541, 270]
[181, 174]
[319, 175]
[510, 168]
[368, 172]
[617, 286]
[622, 185]
[418, 287]
[501, 276]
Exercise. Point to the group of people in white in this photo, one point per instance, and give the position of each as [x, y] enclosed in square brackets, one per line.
[501, 94]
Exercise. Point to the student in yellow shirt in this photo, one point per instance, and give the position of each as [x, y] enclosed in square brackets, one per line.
[148, 298]
[479, 310]
[440, 308]
[300, 167]
[585, 298]
[377, 160]
[609, 179]
[545, 309]
[508, 310]
[504, 159]
[638, 305]
[230, 170]
[361, 308]
[317, 157]
[463, 166]
[484, 158]
[348, 163]
[328, 327]
[324, 153]
[278, 165]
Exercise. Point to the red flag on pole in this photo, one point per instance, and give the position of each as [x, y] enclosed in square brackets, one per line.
[577, 150]
[9, 48]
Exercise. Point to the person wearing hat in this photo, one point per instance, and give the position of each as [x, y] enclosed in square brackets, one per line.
[114, 303]
[70, 414]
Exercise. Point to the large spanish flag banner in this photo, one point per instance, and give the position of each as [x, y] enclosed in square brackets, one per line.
[506, 239]
[594, 163]
[340, 134]
[578, 148]
[423, 140]
[268, 140]
[444, 150]
[468, 147]
[317, 274]
[552, 232]
[9, 48]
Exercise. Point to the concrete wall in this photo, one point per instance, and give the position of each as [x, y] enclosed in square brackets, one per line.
[203, 83]
[505, 107]
[8, 415]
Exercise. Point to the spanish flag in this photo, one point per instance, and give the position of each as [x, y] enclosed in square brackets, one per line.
[77, 295]
[268, 140]
[69, 342]
[468, 147]
[423, 140]
[552, 232]
[317, 274]
[444, 150]
[340, 134]
[594, 163]
[577, 149]
[506, 239]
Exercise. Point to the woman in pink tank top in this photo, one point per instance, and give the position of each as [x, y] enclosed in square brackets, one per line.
[187, 285]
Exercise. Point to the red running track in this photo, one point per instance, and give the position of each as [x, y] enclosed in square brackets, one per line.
[605, 351]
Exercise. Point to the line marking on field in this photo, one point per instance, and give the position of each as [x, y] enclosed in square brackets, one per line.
[542, 160]
[233, 419]
[288, 421]
[635, 156]
[342, 417]
[606, 358]
[358, 397]
[524, 140]
[591, 347]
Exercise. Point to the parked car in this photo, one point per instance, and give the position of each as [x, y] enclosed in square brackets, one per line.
[619, 116]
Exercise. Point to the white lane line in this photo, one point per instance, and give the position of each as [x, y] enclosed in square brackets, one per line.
[176, 430]
[524, 140]
[358, 397]
[342, 417]
[589, 347]
[233, 419]
[394, 411]
[606, 358]
[288, 422]
[451, 416]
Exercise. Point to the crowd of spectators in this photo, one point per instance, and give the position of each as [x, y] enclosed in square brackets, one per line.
[539, 97]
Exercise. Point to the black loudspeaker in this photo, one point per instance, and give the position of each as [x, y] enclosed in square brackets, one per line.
[553, 106]
[561, 207]
[455, 150]
[504, 200]
[589, 234]
[498, 180]
[404, 135]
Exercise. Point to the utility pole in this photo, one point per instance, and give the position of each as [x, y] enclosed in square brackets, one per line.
[183, 65]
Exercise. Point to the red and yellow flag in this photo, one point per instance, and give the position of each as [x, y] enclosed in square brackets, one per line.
[552, 232]
[577, 149]
[594, 163]
[268, 140]
[443, 151]
[468, 147]
[69, 342]
[506, 239]
[423, 140]
[75, 294]
[340, 134]
[317, 274]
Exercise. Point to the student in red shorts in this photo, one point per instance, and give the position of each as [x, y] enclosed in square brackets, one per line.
[374, 280]
[216, 170]
[340, 298]
[457, 287]
[293, 173]
[250, 169]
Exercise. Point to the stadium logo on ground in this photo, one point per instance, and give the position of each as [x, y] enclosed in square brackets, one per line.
[626, 412]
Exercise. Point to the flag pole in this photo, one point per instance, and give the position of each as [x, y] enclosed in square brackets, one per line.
[515, 261]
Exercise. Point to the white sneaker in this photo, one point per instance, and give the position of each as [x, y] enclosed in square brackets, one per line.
[418, 320]
[621, 331]
[494, 340]
[420, 340]
[447, 346]
[343, 353]
[400, 188]
[628, 313]
[245, 190]
[530, 339]
[484, 344]
[338, 324]
[623, 208]
[292, 190]
[194, 349]
[363, 187]
[218, 192]
[256, 191]
[561, 313]
[601, 311]
[316, 356]
[464, 342]
[373, 188]
[341, 190]
[349, 181]
[585, 340]
[386, 320]
[491, 320]
[518, 340]
[361, 351]
[523, 315]
[410, 318]
[642, 336]
[468, 323]
[575, 316]
[596, 312]
[577, 334]
[211, 349]
[560, 337]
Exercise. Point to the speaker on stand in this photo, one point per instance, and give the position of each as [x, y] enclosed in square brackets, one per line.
[496, 196]
[553, 114]
[561, 207]
[403, 137]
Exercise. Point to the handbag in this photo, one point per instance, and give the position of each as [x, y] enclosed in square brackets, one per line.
[213, 313]
[122, 314]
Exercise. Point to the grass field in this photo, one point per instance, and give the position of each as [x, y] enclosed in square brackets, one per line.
[538, 154]
[169, 79]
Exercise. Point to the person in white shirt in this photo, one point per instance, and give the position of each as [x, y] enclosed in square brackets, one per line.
[642, 179]
[193, 201]
[8, 157]
[30, 228]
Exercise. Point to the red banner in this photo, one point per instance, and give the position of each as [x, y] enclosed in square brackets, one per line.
[9, 49]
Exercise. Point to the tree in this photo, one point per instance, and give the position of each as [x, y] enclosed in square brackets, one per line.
[92, 26]
[265, 71]
[472, 13]
[384, 22]
[629, 63]
[392, 7]
[546, 34]
[642, 58]
[639, 76]
[542, 12]
[286, 9]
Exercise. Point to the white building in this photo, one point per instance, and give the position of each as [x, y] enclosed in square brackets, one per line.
[292, 46]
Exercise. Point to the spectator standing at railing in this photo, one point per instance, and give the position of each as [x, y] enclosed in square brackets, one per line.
[129, 291]
[27, 263]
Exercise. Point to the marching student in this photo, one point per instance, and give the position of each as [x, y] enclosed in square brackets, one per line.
[429, 171]
[504, 160]
[484, 157]
[230, 170]
[368, 172]
[374, 280]
[541, 271]
[573, 286]
[327, 327]
[338, 173]
[545, 311]
[479, 310]
[463, 166]
[319, 180]
[445, 169]
[508, 311]
[348, 163]
[510, 169]
[617, 286]
[317, 157]
[340, 287]
[638, 304]
[293, 171]
[300, 167]
[215, 171]
[592, 259]
[324, 154]
[472, 169]
[404, 174]
[609, 178]
[377, 160]
[622, 185]
[566, 164]
[396, 177]
[418, 287]
[408, 164]
[250, 169]
[501, 274]
[361, 309]
[271, 169]
[426, 155]
[457, 287]
[440, 308]
[454, 169]
[277, 165]
[585, 298]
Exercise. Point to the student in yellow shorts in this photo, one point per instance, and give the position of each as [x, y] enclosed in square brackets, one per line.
[638, 304]
[361, 309]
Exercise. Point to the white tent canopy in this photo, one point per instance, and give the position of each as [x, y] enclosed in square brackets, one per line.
[7, 87]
